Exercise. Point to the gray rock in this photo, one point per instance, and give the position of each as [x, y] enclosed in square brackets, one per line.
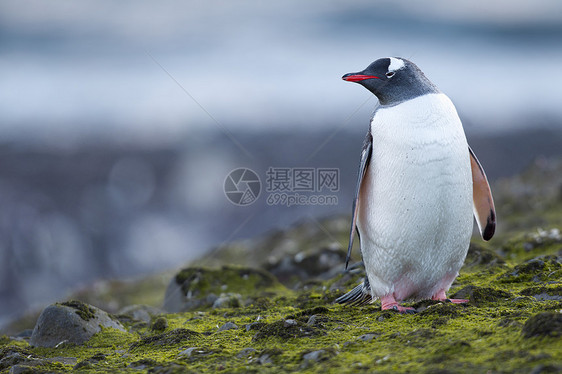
[71, 322]
[266, 358]
[246, 352]
[366, 337]
[309, 359]
[228, 326]
[90, 362]
[320, 264]
[543, 324]
[142, 364]
[544, 297]
[254, 326]
[63, 360]
[16, 356]
[229, 300]
[314, 356]
[289, 322]
[312, 320]
[25, 333]
[143, 313]
[190, 351]
[20, 360]
[177, 300]
[196, 288]
[20, 369]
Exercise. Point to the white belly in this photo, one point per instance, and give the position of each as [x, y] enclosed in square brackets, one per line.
[415, 210]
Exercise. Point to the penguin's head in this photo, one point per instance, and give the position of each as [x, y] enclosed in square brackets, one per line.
[393, 80]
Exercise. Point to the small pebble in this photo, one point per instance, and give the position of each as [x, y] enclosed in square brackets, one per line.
[290, 322]
[228, 326]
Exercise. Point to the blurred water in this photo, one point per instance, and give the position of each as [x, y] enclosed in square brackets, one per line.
[82, 70]
[120, 121]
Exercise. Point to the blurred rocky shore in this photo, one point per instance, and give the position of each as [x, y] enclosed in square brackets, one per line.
[266, 304]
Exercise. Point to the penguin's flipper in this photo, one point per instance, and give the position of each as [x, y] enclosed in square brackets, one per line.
[360, 295]
[363, 166]
[483, 203]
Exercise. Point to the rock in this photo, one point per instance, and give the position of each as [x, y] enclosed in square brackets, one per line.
[246, 352]
[196, 353]
[312, 320]
[191, 351]
[159, 324]
[140, 312]
[71, 322]
[289, 322]
[10, 356]
[544, 293]
[196, 288]
[89, 362]
[543, 324]
[23, 369]
[228, 326]
[254, 326]
[143, 364]
[367, 337]
[539, 269]
[313, 357]
[268, 356]
[25, 333]
[21, 360]
[546, 369]
[229, 300]
[320, 264]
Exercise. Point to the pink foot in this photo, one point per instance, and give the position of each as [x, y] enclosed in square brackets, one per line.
[440, 295]
[388, 302]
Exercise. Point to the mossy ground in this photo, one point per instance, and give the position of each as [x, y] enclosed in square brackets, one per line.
[275, 336]
[512, 323]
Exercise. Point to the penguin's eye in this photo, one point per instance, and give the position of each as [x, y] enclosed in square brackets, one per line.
[390, 74]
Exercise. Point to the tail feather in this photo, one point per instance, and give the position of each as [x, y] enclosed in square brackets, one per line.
[360, 295]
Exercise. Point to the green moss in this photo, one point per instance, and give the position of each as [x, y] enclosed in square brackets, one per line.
[226, 279]
[286, 329]
[176, 336]
[543, 324]
[83, 310]
[160, 324]
[507, 327]
[110, 337]
[539, 269]
[482, 295]
[4, 340]
[551, 290]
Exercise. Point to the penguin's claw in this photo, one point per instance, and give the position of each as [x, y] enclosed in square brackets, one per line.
[442, 297]
[403, 309]
[388, 302]
[458, 301]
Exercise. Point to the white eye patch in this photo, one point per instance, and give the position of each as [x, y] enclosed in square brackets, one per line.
[395, 64]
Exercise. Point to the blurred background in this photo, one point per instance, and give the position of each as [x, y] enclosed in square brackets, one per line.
[119, 121]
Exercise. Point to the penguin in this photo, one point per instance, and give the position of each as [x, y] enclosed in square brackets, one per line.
[419, 186]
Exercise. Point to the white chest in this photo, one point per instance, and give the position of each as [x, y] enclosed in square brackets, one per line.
[415, 210]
